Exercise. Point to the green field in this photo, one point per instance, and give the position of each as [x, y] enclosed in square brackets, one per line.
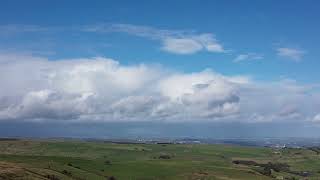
[52, 159]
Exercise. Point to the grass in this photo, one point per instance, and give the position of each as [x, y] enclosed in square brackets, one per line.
[35, 159]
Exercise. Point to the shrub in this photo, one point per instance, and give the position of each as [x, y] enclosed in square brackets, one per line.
[107, 162]
[68, 173]
[164, 156]
[52, 177]
[111, 178]
[244, 162]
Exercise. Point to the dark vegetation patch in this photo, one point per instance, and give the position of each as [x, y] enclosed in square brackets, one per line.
[66, 172]
[266, 169]
[263, 170]
[164, 143]
[72, 165]
[315, 149]
[164, 156]
[107, 162]
[245, 162]
[52, 177]
[111, 178]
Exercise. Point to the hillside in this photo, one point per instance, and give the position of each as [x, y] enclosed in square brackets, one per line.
[53, 159]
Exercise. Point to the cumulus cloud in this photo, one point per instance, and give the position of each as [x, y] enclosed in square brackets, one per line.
[248, 57]
[101, 89]
[291, 53]
[173, 41]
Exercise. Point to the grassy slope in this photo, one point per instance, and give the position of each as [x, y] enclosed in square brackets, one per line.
[89, 160]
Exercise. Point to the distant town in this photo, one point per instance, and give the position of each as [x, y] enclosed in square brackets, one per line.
[257, 142]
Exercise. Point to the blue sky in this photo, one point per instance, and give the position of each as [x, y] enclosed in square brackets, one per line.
[242, 27]
[166, 56]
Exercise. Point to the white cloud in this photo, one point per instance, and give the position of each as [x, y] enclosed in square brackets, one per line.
[193, 44]
[248, 57]
[291, 53]
[173, 41]
[141, 31]
[181, 46]
[101, 89]
[316, 118]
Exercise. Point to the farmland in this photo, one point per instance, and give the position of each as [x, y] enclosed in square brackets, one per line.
[75, 159]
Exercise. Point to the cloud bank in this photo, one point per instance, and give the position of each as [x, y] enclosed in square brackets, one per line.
[101, 89]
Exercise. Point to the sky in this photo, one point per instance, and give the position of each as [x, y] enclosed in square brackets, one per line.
[159, 68]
